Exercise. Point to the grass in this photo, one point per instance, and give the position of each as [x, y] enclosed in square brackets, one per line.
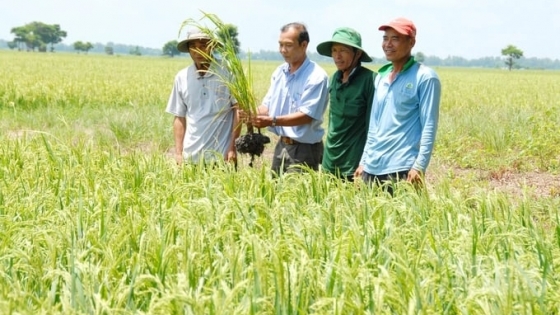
[95, 218]
[498, 119]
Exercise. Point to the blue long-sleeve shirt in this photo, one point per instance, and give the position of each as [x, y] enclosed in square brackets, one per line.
[404, 120]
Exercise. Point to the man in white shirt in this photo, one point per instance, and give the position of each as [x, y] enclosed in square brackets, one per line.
[206, 123]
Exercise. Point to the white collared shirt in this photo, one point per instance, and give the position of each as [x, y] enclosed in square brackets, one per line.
[206, 102]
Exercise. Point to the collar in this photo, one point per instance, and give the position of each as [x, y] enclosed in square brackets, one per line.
[352, 72]
[286, 68]
[389, 67]
[205, 73]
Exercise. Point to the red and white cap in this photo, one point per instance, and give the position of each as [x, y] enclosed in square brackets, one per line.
[401, 25]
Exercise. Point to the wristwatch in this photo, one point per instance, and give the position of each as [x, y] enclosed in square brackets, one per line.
[273, 121]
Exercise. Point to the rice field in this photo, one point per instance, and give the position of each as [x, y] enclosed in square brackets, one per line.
[96, 218]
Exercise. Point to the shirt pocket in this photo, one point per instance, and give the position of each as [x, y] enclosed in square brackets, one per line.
[295, 101]
[407, 100]
[354, 108]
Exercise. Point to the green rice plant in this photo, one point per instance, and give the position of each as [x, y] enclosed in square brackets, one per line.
[100, 222]
[116, 233]
[239, 78]
[504, 121]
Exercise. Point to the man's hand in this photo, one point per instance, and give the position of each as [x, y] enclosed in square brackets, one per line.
[358, 172]
[261, 121]
[179, 158]
[231, 156]
[415, 177]
[243, 116]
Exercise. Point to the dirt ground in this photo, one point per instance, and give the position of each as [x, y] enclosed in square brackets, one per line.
[532, 184]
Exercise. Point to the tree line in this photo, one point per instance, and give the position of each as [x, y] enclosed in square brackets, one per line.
[42, 37]
[39, 36]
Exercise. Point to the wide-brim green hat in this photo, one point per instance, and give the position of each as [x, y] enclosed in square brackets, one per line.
[345, 36]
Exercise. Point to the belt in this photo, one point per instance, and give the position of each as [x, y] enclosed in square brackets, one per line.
[288, 141]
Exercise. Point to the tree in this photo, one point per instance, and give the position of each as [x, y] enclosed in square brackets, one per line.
[25, 36]
[12, 45]
[54, 35]
[38, 35]
[32, 41]
[170, 48]
[81, 46]
[511, 53]
[135, 51]
[20, 34]
[109, 50]
[87, 47]
[230, 31]
[420, 57]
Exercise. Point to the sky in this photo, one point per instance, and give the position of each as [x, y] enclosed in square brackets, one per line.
[465, 28]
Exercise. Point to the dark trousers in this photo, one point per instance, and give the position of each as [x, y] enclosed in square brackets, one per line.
[288, 157]
[385, 181]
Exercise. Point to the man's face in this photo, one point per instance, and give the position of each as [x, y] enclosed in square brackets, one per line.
[344, 57]
[396, 46]
[291, 50]
[199, 50]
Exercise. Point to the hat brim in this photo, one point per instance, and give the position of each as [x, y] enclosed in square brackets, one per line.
[183, 46]
[324, 49]
[397, 28]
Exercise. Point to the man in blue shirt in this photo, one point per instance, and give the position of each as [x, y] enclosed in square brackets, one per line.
[404, 115]
[295, 103]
